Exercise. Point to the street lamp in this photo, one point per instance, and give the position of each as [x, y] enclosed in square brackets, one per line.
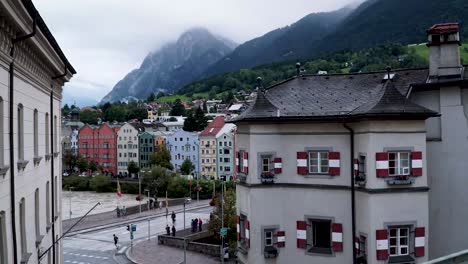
[70, 190]
[186, 201]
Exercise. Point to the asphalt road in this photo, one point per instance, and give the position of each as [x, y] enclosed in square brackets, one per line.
[97, 247]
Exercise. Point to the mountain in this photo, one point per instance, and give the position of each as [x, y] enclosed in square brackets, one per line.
[173, 66]
[287, 43]
[377, 22]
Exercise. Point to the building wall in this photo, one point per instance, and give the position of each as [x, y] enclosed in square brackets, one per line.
[208, 156]
[293, 197]
[447, 167]
[225, 159]
[146, 149]
[127, 148]
[183, 145]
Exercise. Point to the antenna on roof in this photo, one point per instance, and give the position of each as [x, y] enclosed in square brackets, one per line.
[298, 69]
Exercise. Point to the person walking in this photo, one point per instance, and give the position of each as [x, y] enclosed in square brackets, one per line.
[173, 230]
[195, 224]
[167, 212]
[200, 225]
[173, 216]
[168, 230]
[161, 206]
[116, 240]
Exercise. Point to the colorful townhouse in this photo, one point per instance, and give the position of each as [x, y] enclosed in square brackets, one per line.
[127, 148]
[183, 146]
[99, 143]
[146, 148]
[208, 149]
[225, 152]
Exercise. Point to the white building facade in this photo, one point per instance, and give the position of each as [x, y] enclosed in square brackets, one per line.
[30, 161]
[127, 148]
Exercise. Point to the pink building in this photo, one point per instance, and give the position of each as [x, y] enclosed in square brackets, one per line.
[100, 145]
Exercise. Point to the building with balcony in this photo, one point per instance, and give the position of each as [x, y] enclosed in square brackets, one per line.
[225, 150]
[99, 144]
[32, 73]
[183, 146]
[208, 149]
[127, 148]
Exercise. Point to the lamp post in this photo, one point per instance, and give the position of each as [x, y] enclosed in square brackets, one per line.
[186, 201]
[70, 190]
[222, 219]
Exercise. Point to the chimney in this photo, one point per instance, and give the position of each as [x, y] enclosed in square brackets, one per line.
[444, 50]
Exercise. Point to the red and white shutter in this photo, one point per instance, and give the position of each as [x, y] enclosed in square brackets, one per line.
[334, 163]
[381, 164]
[278, 165]
[302, 163]
[419, 241]
[416, 163]
[237, 161]
[246, 163]
[382, 244]
[337, 237]
[280, 239]
[238, 228]
[356, 167]
[301, 234]
[357, 245]
[247, 233]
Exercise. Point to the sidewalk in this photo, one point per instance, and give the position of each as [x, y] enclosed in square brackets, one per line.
[111, 218]
[146, 252]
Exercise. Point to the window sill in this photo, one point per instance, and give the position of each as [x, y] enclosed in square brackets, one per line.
[241, 177]
[242, 250]
[319, 176]
[22, 164]
[37, 160]
[322, 251]
[39, 240]
[25, 258]
[3, 170]
[360, 180]
[48, 157]
[401, 260]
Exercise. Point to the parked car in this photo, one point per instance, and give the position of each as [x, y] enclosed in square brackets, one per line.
[65, 174]
[83, 174]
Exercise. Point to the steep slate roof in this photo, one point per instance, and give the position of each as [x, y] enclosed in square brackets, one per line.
[213, 128]
[339, 96]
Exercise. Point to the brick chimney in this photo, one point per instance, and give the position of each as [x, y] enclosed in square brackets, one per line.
[444, 50]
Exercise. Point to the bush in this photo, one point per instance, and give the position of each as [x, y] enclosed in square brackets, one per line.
[130, 188]
[178, 187]
[101, 184]
[78, 183]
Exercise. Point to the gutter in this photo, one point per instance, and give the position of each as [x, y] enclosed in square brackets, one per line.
[11, 71]
[353, 192]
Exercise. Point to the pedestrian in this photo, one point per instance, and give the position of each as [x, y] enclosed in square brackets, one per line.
[150, 203]
[161, 205]
[173, 216]
[167, 212]
[200, 225]
[173, 230]
[168, 230]
[116, 240]
[195, 224]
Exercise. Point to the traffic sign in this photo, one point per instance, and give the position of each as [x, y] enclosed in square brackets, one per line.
[223, 231]
[133, 228]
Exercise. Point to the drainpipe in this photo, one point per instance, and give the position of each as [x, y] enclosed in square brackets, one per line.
[52, 163]
[353, 191]
[11, 136]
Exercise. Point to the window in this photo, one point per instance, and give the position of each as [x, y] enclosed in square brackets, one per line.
[182, 148]
[202, 160]
[36, 214]
[56, 143]
[242, 238]
[220, 168]
[36, 133]
[181, 139]
[319, 236]
[193, 148]
[230, 143]
[227, 151]
[318, 162]
[56, 198]
[398, 163]
[240, 166]
[3, 241]
[399, 241]
[214, 151]
[220, 144]
[22, 213]
[363, 245]
[227, 168]
[220, 159]
[20, 120]
[265, 164]
[227, 160]
[225, 143]
[269, 238]
[362, 165]
[220, 151]
[214, 160]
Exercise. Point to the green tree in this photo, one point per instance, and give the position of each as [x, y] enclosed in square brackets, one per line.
[92, 166]
[115, 113]
[133, 168]
[228, 98]
[229, 216]
[82, 164]
[160, 94]
[151, 98]
[65, 110]
[69, 160]
[178, 108]
[162, 157]
[190, 124]
[201, 119]
[156, 179]
[101, 183]
[178, 187]
[89, 117]
[187, 167]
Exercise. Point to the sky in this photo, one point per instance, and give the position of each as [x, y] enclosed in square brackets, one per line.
[106, 39]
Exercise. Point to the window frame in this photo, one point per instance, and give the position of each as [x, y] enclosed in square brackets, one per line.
[398, 168]
[319, 159]
[240, 166]
[268, 164]
[398, 246]
[311, 249]
[3, 239]
[242, 238]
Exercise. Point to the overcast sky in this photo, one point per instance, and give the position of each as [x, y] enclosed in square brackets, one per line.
[105, 39]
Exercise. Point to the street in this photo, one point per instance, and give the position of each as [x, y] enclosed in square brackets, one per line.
[98, 246]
